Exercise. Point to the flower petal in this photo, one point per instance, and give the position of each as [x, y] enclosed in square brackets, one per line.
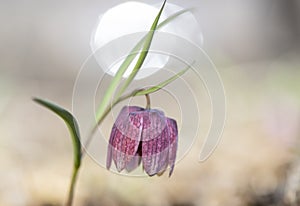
[125, 138]
[109, 149]
[134, 163]
[155, 143]
[173, 138]
[154, 122]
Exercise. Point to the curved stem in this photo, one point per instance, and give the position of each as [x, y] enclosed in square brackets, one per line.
[72, 186]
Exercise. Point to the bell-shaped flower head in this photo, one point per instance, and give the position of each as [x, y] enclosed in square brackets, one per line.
[143, 135]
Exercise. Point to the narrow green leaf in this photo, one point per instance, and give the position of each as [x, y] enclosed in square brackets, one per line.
[124, 66]
[72, 126]
[172, 17]
[161, 85]
[143, 53]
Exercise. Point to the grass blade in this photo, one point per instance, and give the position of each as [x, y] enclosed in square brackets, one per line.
[160, 85]
[124, 66]
[172, 17]
[143, 53]
[71, 124]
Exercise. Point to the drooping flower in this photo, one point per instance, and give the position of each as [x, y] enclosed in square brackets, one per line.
[143, 135]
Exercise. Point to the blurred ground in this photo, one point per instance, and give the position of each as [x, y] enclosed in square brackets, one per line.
[255, 47]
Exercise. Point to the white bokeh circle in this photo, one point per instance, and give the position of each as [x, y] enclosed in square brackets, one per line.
[122, 20]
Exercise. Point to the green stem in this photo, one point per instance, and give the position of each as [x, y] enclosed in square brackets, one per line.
[148, 101]
[72, 186]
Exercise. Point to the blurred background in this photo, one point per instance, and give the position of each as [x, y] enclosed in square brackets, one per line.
[256, 48]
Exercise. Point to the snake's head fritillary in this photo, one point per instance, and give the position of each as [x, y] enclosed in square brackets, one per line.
[143, 136]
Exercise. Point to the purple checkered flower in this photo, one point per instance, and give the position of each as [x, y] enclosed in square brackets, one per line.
[143, 135]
